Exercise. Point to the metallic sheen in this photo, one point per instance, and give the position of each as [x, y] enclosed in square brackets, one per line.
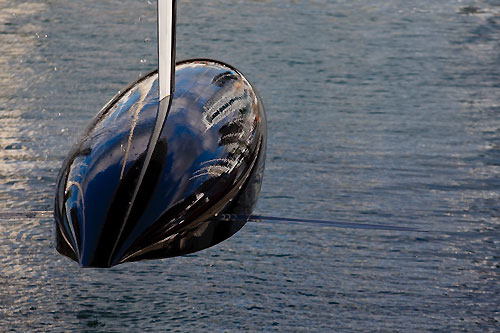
[208, 160]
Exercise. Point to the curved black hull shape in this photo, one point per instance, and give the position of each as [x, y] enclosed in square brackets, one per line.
[209, 160]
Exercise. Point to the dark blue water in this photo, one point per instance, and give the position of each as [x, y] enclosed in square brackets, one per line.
[379, 112]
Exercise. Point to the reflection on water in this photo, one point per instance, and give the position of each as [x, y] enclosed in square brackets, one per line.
[19, 38]
[379, 112]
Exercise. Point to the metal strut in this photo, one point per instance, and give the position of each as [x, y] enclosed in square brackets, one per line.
[166, 47]
[166, 74]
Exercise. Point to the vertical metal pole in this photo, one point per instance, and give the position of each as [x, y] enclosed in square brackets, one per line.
[166, 75]
[166, 47]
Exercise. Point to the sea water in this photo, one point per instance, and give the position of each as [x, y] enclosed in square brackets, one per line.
[378, 112]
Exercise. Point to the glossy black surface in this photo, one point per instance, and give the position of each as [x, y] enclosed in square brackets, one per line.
[208, 160]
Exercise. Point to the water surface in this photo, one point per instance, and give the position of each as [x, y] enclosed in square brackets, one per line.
[379, 112]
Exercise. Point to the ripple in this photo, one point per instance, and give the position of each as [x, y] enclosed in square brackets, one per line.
[379, 112]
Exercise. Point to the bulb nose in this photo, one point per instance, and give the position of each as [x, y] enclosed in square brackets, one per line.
[93, 259]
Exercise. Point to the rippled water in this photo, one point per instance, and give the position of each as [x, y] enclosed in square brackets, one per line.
[379, 112]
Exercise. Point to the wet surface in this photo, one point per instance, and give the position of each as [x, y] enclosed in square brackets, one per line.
[378, 112]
